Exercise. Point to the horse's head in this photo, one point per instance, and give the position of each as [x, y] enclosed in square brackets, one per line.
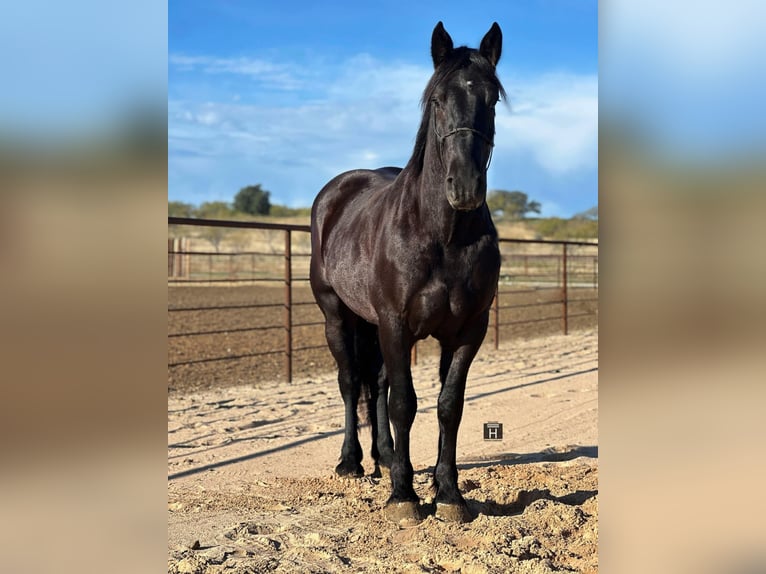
[461, 98]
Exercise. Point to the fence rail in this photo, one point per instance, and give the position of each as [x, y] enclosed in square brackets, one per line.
[542, 282]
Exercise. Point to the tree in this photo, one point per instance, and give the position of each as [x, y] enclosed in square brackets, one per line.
[180, 209]
[511, 204]
[253, 200]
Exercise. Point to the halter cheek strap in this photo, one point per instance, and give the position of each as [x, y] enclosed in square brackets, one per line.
[442, 137]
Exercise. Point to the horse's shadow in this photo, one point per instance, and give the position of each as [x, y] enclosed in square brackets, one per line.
[525, 497]
[547, 455]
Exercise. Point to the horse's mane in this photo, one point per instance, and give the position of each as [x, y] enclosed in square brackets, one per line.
[460, 58]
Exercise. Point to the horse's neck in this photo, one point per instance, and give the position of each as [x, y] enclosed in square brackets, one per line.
[427, 197]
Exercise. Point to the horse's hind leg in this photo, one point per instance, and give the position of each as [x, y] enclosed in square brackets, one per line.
[340, 325]
[382, 441]
[374, 377]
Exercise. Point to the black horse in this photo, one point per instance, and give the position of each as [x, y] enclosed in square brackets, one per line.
[401, 254]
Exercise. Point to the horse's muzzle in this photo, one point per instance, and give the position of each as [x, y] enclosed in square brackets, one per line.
[465, 197]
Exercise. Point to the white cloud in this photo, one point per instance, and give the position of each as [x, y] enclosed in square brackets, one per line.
[365, 113]
[208, 118]
[363, 77]
[276, 75]
[555, 119]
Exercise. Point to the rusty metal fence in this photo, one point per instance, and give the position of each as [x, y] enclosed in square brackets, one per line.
[239, 302]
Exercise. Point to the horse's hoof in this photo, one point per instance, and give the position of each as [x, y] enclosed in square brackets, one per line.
[349, 470]
[403, 513]
[453, 512]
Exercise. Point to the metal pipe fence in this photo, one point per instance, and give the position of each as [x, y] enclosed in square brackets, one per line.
[238, 293]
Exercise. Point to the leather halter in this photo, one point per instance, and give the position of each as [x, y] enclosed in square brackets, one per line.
[441, 137]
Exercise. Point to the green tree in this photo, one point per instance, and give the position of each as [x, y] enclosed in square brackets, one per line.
[511, 204]
[253, 200]
[180, 209]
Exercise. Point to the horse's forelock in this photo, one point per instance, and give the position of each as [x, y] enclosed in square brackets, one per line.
[460, 58]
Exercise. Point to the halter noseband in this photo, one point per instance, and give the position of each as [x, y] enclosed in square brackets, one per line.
[457, 130]
[489, 141]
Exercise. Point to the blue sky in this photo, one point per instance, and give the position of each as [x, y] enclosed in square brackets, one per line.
[289, 94]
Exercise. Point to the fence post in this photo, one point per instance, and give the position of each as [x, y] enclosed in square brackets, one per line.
[564, 294]
[288, 308]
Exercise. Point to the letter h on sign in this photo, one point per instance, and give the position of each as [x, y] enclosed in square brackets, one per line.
[493, 431]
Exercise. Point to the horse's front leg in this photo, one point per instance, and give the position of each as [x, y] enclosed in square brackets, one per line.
[450, 504]
[396, 344]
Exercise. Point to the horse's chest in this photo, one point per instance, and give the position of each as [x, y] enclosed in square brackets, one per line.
[445, 301]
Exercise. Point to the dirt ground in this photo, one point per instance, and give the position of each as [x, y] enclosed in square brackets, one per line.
[251, 486]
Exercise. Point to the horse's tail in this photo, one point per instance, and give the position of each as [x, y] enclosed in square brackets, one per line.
[363, 408]
[370, 361]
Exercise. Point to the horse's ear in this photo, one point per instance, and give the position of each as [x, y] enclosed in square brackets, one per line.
[492, 44]
[441, 44]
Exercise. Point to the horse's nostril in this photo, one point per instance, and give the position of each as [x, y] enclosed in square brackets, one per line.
[449, 180]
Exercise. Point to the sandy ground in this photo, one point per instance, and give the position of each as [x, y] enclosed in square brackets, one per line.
[251, 485]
